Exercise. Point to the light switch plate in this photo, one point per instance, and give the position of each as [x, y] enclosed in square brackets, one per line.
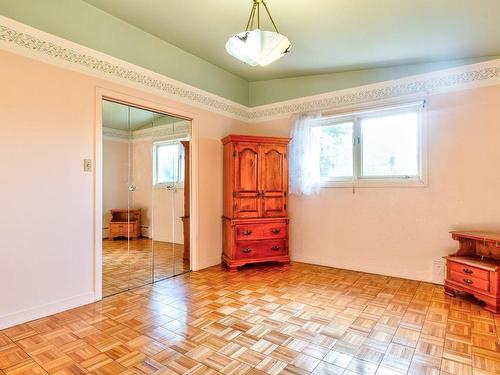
[87, 165]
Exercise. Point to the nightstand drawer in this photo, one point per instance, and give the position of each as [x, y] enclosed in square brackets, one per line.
[469, 281]
[123, 229]
[466, 270]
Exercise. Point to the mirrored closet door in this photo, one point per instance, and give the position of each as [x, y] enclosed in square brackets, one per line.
[145, 197]
[170, 197]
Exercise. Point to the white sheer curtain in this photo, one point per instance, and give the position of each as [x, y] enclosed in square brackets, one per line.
[304, 156]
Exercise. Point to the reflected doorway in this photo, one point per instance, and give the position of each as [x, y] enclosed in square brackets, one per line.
[146, 195]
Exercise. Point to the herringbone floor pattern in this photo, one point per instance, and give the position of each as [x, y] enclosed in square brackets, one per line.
[299, 319]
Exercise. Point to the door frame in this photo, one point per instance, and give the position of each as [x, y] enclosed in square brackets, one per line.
[126, 99]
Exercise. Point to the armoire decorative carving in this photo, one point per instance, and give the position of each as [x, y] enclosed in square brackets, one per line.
[255, 221]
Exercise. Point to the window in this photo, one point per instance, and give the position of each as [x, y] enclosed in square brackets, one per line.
[372, 147]
[168, 163]
[336, 150]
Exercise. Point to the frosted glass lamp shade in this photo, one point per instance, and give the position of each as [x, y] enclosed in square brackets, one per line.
[258, 47]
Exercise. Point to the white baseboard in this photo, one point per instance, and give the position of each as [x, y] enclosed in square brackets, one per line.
[145, 232]
[41, 311]
[208, 263]
[365, 268]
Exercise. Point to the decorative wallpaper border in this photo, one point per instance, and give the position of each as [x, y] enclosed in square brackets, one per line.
[158, 133]
[116, 134]
[26, 40]
[468, 76]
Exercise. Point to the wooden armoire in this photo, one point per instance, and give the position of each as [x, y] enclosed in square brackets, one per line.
[255, 221]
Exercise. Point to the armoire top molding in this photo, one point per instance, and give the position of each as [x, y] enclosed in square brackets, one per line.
[28, 41]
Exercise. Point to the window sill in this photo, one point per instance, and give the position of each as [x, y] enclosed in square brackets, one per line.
[376, 183]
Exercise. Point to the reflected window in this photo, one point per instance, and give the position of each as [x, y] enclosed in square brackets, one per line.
[168, 163]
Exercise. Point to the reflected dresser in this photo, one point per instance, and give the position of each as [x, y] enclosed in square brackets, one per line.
[255, 221]
[125, 223]
[475, 268]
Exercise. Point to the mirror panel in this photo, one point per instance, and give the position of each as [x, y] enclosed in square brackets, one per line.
[144, 174]
[183, 250]
[140, 243]
[168, 199]
[117, 143]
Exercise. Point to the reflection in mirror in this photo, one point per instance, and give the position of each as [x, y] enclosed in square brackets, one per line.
[141, 250]
[170, 248]
[144, 180]
[117, 138]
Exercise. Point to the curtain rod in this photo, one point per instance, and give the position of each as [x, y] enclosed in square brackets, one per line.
[371, 108]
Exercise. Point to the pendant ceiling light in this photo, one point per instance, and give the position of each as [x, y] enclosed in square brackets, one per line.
[255, 46]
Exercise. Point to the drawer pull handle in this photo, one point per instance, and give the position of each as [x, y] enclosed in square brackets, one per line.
[468, 271]
[275, 230]
[468, 281]
[246, 250]
[247, 232]
[275, 248]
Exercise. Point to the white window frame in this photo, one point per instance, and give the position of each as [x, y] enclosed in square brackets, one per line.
[157, 145]
[357, 180]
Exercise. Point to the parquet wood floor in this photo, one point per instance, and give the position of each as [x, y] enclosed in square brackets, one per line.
[301, 319]
[122, 270]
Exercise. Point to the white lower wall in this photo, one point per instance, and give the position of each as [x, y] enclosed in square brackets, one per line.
[161, 208]
[168, 207]
[48, 122]
[114, 179]
[403, 231]
[48, 127]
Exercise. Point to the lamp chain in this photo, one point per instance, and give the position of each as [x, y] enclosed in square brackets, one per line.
[251, 17]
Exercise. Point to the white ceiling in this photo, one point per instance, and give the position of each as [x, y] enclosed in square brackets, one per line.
[326, 35]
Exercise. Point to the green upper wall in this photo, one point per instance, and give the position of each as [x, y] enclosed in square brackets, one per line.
[80, 22]
[276, 90]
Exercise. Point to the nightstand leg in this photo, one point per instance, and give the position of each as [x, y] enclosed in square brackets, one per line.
[492, 307]
[449, 291]
[232, 268]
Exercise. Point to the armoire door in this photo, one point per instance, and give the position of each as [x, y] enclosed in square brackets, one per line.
[246, 180]
[273, 180]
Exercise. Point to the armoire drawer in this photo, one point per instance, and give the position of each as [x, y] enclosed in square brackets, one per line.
[262, 231]
[260, 249]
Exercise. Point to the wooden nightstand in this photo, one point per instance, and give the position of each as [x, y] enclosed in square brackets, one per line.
[475, 268]
[125, 223]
